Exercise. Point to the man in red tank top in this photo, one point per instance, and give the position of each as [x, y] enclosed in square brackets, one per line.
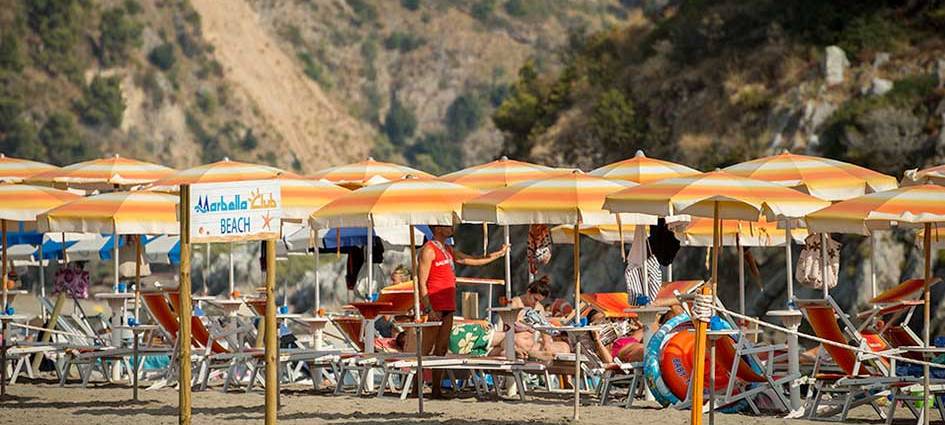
[437, 279]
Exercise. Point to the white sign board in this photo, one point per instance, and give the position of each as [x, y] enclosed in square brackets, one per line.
[236, 211]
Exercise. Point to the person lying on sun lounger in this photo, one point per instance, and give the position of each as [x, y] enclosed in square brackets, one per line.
[621, 340]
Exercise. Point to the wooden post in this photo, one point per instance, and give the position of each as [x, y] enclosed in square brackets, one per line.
[272, 335]
[698, 365]
[184, 309]
[927, 246]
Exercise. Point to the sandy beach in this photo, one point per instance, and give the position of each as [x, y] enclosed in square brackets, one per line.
[46, 403]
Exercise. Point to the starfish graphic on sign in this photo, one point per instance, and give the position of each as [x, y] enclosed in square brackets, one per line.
[267, 221]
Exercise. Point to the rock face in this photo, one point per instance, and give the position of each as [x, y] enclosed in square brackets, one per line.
[835, 65]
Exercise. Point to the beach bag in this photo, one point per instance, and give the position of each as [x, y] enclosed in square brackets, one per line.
[633, 274]
[809, 268]
[538, 249]
[663, 243]
[73, 281]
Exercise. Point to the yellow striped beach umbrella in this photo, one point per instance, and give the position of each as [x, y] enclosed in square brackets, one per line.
[216, 172]
[301, 196]
[641, 169]
[24, 203]
[113, 170]
[122, 213]
[933, 175]
[719, 195]
[909, 206]
[366, 173]
[822, 178]
[499, 173]
[16, 170]
[408, 201]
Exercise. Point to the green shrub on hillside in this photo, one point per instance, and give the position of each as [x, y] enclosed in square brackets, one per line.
[400, 123]
[483, 10]
[59, 24]
[436, 153]
[403, 41]
[17, 132]
[62, 140]
[411, 5]
[162, 56]
[463, 116]
[615, 123]
[364, 12]
[314, 70]
[870, 34]
[206, 101]
[11, 53]
[102, 102]
[119, 34]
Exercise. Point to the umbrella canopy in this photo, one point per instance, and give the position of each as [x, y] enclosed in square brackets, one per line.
[124, 213]
[932, 175]
[822, 178]
[641, 169]
[502, 172]
[605, 233]
[15, 170]
[24, 202]
[909, 206]
[738, 198]
[573, 198]
[301, 197]
[113, 170]
[216, 172]
[367, 172]
[763, 233]
[408, 201]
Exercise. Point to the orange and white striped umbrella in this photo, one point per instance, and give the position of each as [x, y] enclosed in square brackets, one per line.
[21, 202]
[301, 196]
[933, 175]
[499, 173]
[408, 201]
[908, 206]
[574, 198]
[641, 169]
[823, 178]
[113, 170]
[123, 213]
[366, 173]
[216, 172]
[763, 233]
[738, 198]
[15, 170]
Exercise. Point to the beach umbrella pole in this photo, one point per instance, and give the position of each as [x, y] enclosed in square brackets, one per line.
[794, 359]
[318, 285]
[134, 362]
[873, 266]
[42, 282]
[3, 279]
[927, 247]
[231, 275]
[416, 318]
[271, 335]
[508, 264]
[741, 274]
[825, 269]
[206, 273]
[370, 257]
[577, 318]
[698, 368]
[485, 251]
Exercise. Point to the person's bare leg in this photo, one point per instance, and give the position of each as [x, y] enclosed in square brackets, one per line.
[440, 349]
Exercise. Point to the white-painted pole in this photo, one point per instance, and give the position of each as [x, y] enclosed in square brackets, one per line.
[231, 277]
[508, 264]
[370, 257]
[873, 288]
[741, 275]
[42, 280]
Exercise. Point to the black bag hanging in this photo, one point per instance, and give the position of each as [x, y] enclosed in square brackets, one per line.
[663, 243]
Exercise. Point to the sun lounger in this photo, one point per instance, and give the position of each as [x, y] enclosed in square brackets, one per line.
[863, 379]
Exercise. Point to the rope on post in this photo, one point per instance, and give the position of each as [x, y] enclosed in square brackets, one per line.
[703, 307]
